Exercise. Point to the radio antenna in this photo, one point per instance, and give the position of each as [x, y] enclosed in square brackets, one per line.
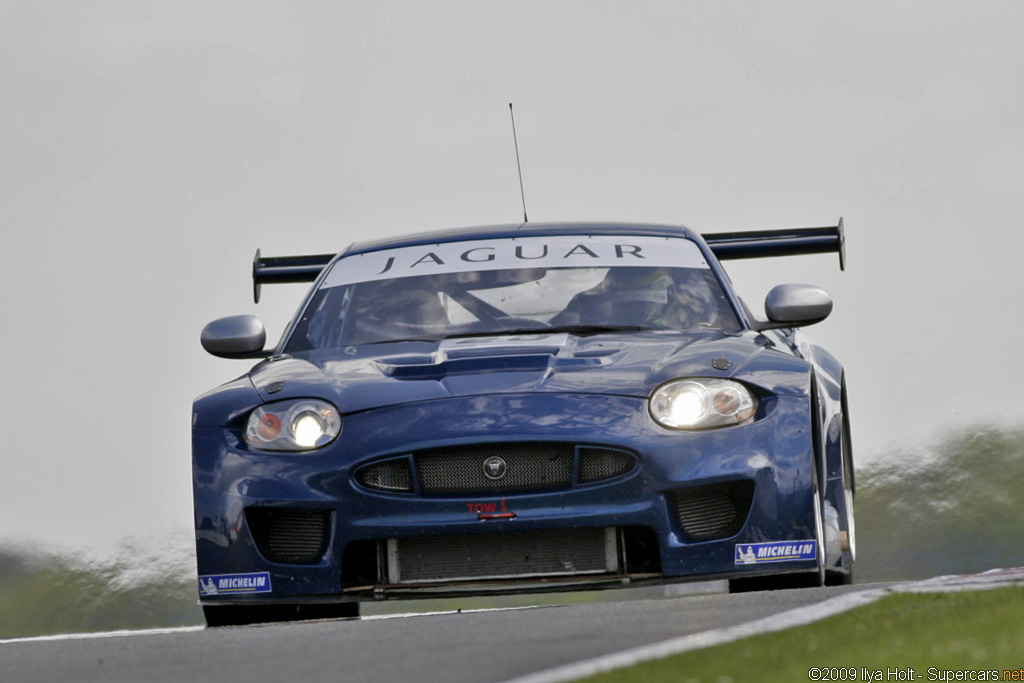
[519, 166]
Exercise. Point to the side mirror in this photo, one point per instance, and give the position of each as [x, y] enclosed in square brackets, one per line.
[239, 336]
[795, 306]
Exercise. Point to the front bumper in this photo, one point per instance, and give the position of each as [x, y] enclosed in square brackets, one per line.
[236, 489]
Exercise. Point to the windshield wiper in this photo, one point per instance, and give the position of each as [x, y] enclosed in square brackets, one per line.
[512, 331]
[571, 329]
[429, 340]
[597, 329]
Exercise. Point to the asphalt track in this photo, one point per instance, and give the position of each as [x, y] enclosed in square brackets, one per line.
[543, 644]
[466, 647]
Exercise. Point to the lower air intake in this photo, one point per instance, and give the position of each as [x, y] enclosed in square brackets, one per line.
[715, 511]
[290, 535]
[502, 556]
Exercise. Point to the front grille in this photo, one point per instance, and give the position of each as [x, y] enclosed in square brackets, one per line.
[290, 535]
[597, 464]
[528, 467]
[713, 511]
[390, 475]
[502, 556]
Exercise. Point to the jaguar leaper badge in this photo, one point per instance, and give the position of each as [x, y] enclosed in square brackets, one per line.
[494, 468]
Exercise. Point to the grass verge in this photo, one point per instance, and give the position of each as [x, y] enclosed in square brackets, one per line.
[932, 633]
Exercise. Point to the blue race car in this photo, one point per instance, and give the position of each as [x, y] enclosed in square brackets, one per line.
[522, 408]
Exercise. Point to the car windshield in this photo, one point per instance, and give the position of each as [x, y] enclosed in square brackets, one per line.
[630, 285]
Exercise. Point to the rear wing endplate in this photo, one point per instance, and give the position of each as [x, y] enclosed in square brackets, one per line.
[790, 242]
[276, 270]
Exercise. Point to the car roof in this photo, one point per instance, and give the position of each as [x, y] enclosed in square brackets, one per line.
[513, 230]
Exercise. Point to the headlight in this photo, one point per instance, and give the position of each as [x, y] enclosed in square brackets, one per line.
[301, 425]
[701, 404]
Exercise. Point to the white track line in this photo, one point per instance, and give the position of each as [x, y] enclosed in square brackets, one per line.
[102, 634]
[406, 615]
[192, 629]
[800, 616]
[777, 622]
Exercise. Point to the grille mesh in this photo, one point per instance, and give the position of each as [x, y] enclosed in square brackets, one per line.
[602, 463]
[713, 511]
[288, 535]
[506, 555]
[529, 467]
[390, 475]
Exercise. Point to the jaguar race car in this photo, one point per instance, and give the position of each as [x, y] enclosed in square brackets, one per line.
[522, 408]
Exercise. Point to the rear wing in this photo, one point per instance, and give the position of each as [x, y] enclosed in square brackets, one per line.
[789, 242]
[275, 270]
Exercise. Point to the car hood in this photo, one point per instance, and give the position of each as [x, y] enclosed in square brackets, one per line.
[633, 364]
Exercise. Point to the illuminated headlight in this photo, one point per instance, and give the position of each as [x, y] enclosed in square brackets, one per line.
[301, 425]
[701, 404]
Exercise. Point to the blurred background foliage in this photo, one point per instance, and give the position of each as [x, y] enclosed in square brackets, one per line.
[144, 585]
[952, 506]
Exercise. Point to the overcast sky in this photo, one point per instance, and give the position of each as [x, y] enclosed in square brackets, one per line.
[148, 148]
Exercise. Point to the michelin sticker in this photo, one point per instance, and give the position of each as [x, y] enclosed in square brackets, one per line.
[229, 584]
[776, 551]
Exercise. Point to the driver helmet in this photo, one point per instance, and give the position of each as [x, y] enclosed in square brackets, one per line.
[637, 296]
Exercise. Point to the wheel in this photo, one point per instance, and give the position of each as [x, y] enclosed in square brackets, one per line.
[843, 575]
[243, 615]
[817, 579]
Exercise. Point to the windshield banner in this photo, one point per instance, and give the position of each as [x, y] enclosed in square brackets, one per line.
[557, 251]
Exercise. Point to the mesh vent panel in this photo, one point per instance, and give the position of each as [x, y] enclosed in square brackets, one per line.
[714, 511]
[529, 467]
[506, 555]
[290, 536]
[602, 463]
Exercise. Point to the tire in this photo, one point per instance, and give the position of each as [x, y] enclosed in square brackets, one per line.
[244, 615]
[844, 574]
[817, 579]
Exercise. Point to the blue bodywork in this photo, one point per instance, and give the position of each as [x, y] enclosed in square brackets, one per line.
[586, 391]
